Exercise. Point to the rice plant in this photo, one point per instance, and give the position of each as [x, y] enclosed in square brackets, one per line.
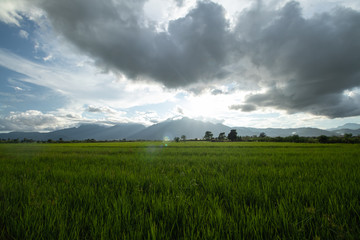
[185, 190]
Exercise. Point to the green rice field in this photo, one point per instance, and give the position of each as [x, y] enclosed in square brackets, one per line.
[185, 190]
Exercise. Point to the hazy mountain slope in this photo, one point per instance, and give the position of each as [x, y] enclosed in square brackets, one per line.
[347, 131]
[119, 131]
[88, 131]
[97, 132]
[171, 128]
[176, 128]
[22, 135]
[283, 132]
[82, 132]
[351, 126]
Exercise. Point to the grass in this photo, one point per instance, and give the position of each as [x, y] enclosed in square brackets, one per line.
[191, 190]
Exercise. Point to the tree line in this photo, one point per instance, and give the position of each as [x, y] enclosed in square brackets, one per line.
[262, 137]
[222, 137]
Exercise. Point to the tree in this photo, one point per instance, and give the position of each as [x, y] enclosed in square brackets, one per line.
[221, 136]
[176, 139]
[183, 138]
[232, 136]
[262, 135]
[347, 137]
[323, 139]
[208, 136]
[295, 138]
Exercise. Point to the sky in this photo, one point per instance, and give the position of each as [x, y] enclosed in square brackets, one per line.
[270, 63]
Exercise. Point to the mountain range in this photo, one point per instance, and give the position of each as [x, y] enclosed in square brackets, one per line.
[172, 128]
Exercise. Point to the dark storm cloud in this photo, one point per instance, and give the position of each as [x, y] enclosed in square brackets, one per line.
[117, 35]
[217, 92]
[305, 64]
[243, 107]
[97, 109]
[311, 62]
[94, 109]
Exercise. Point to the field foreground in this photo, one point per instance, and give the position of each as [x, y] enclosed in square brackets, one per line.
[186, 190]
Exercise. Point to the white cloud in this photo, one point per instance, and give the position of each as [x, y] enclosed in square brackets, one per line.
[31, 120]
[24, 34]
[9, 11]
[92, 97]
[14, 11]
[18, 89]
[87, 86]
[147, 117]
[48, 58]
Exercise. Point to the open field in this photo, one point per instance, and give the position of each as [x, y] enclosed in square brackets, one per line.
[191, 190]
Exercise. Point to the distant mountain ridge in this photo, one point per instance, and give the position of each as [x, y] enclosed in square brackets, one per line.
[83, 132]
[351, 126]
[176, 128]
[283, 132]
[172, 128]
